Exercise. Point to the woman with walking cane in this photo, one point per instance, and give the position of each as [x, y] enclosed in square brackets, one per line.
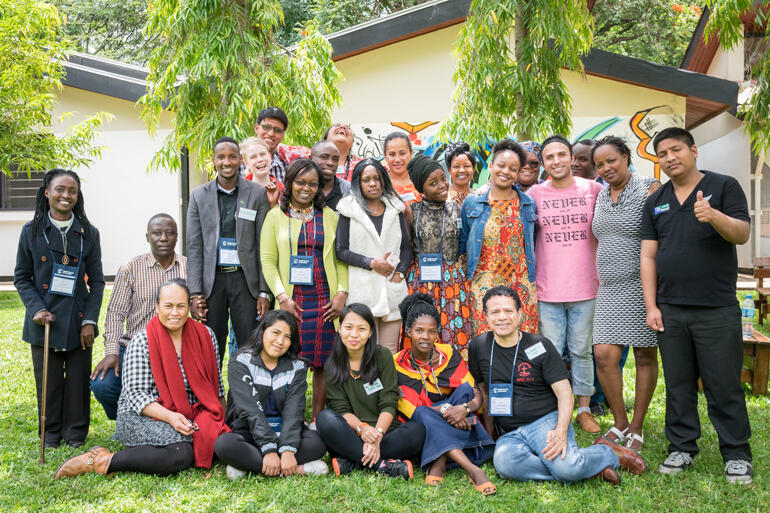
[59, 278]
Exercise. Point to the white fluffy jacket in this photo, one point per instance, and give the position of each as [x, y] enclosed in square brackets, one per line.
[369, 287]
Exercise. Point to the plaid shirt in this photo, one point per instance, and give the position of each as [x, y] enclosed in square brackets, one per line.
[285, 155]
[139, 388]
[132, 303]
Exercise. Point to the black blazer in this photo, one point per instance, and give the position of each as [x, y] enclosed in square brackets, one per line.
[32, 278]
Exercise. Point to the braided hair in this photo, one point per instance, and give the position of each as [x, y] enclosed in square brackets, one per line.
[42, 207]
[416, 305]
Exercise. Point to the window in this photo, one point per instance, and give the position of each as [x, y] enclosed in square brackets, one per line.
[18, 192]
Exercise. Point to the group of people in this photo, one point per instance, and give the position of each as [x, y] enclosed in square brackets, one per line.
[408, 296]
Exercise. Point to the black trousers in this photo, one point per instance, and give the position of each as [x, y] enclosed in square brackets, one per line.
[240, 451]
[707, 343]
[402, 443]
[231, 298]
[68, 396]
[149, 459]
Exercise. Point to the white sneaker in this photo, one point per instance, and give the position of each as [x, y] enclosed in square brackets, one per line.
[233, 474]
[675, 463]
[312, 426]
[316, 468]
[738, 471]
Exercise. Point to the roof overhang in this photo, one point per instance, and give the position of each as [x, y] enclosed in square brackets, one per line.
[105, 76]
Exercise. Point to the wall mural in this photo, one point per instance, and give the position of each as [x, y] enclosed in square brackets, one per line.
[638, 131]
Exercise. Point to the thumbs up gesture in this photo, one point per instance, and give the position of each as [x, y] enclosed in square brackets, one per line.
[702, 209]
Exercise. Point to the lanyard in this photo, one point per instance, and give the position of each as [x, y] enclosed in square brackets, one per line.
[513, 367]
[307, 251]
[422, 377]
[417, 233]
[65, 259]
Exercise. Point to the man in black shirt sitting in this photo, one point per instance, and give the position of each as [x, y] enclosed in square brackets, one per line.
[689, 269]
[526, 391]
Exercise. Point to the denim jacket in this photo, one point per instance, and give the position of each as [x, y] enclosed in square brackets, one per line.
[475, 213]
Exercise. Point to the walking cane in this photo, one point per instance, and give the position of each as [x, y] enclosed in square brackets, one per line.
[45, 391]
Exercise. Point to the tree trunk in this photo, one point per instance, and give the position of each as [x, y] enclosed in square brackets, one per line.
[520, 33]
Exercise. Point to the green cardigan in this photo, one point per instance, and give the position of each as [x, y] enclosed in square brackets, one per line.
[274, 252]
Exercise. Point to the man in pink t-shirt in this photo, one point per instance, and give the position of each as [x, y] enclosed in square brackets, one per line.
[565, 272]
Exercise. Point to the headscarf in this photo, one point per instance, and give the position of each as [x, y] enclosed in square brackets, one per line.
[532, 147]
[420, 168]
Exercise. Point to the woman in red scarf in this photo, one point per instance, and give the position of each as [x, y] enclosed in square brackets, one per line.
[171, 409]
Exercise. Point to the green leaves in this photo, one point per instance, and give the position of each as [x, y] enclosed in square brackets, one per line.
[508, 78]
[220, 64]
[30, 74]
[726, 24]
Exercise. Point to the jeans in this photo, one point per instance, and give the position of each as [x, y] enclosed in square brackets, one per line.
[107, 390]
[402, 443]
[519, 455]
[571, 324]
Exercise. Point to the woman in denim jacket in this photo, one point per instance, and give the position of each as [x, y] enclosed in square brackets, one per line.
[498, 237]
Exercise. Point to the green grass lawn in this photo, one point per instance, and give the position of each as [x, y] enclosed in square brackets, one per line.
[28, 487]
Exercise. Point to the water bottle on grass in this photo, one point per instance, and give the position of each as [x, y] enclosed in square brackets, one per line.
[747, 317]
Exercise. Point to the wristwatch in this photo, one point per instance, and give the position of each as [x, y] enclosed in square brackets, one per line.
[444, 408]
[467, 410]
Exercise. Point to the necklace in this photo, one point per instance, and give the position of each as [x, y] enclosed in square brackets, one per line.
[304, 214]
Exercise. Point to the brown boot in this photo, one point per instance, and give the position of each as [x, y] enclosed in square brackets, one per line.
[610, 475]
[588, 422]
[629, 459]
[97, 459]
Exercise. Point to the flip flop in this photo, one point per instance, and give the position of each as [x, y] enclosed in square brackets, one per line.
[620, 436]
[633, 437]
[486, 489]
[433, 480]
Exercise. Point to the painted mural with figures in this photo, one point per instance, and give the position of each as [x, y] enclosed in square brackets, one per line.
[638, 130]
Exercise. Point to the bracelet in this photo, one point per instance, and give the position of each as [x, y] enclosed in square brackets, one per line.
[282, 301]
[379, 430]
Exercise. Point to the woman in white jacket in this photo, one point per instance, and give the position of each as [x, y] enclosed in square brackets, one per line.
[373, 239]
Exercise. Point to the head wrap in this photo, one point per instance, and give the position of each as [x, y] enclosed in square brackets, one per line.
[532, 147]
[420, 168]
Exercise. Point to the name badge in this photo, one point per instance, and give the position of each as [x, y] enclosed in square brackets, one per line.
[275, 423]
[228, 252]
[662, 208]
[247, 213]
[501, 399]
[63, 280]
[535, 351]
[373, 387]
[459, 223]
[301, 270]
[430, 267]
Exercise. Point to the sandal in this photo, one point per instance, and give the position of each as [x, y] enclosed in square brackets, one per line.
[620, 436]
[486, 489]
[433, 480]
[632, 439]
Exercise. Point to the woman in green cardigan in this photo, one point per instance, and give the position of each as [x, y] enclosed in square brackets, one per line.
[305, 276]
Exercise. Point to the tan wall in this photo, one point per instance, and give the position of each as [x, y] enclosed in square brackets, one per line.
[120, 196]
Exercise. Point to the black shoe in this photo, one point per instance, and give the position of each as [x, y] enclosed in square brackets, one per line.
[75, 443]
[52, 444]
[342, 466]
[396, 468]
[597, 409]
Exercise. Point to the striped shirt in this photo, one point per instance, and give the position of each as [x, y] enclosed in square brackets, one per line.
[132, 303]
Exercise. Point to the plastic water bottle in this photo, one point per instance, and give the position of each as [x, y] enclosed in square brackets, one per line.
[747, 317]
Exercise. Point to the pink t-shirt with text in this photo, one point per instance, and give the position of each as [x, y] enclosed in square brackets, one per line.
[565, 246]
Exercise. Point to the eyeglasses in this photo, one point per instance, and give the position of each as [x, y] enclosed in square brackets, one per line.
[302, 184]
[267, 127]
[534, 164]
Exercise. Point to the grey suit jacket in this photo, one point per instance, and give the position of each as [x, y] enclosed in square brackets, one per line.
[203, 236]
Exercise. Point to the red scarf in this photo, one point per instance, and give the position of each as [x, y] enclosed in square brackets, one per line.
[200, 365]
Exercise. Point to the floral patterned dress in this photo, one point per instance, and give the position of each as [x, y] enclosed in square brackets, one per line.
[503, 262]
[451, 295]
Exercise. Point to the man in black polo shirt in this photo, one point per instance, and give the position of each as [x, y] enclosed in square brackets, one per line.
[224, 221]
[326, 155]
[689, 267]
[528, 399]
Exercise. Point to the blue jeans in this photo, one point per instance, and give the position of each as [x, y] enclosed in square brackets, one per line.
[571, 324]
[107, 390]
[519, 455]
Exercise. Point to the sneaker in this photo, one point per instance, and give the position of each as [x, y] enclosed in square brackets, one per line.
[738, 471]
[396, 468]
[316, 468]
[233, 474]
[342, 466]
[597, 410]
[675, 463]
[312, 426]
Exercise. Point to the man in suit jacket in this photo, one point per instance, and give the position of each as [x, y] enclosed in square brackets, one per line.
[223, 226]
